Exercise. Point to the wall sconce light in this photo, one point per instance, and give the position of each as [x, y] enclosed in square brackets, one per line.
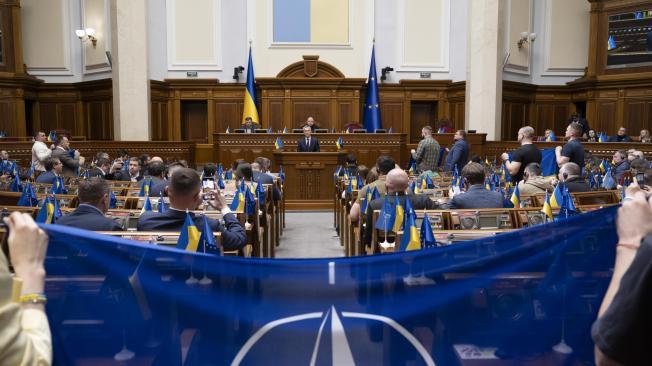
[87, 34]
[236, 73]
[384, 71]
[526, 38]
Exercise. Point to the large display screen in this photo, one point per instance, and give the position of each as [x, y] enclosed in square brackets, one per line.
[630, 39]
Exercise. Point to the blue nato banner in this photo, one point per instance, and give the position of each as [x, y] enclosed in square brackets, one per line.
[528, 297]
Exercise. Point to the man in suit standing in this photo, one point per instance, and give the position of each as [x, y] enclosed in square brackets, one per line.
[458, 155]
[70, 161]
[53, 168]
[40, 151]
[396, 183]
[308, 143]
[476, 196]
[93, 204]
[185, 195]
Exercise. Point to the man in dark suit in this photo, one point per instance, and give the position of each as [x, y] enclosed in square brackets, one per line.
[310, 122]
[569, 173]
[93, 204]
[396, 182]
[101, 169]
[157, 173]
[260, 176]
[308, 143]
[53, 168]
[132, 174]
[249, 125]
[70, 161]
[476, 196]
[458, 155]
[185, 195]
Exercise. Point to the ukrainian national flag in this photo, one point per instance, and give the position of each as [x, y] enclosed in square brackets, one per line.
[46, 213]
[611, 43]
[339, 143]
[547, 209]
[147, 205]
[427, 237]
[602, 137]
[398, 215]
[551, 137]
[516, 197]
[372, 102]
[310, 21]
[429, 183]
[146, 188]
[285, 130]
[52, 136]
[278, 144]
[189, 238]
[557, 196]
[410, 239]
[250, 109]
[238, 204]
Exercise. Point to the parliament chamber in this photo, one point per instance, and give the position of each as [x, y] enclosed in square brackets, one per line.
[325, 181]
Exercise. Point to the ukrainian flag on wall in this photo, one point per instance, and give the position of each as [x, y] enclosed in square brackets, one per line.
[311, 21]
[250, 109]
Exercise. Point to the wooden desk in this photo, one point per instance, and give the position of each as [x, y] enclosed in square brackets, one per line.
[309, 178]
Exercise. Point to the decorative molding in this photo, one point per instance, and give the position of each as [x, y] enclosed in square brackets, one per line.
[103, 66]
[444, 44]
[66, 68]
[303, 45]
[519, 69]
[548, 70]
[310, 67]
[215, 63]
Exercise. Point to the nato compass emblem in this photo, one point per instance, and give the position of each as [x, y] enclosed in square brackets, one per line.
[332, 338]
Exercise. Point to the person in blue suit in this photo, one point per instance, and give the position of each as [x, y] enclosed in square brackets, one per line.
[94, 201]
[53, 169]
[458, 155]
[185, 195]
[476, 196]
[259, 174]
[308, 143]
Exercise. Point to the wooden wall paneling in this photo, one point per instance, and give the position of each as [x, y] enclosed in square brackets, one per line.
[635, 116]
[606, 115]
[194, 121]
[276, 118]
[319, 109]
[227, 114]
[344, 110]
[392, 116]
[6, 117]
[67, 117]
[422, 113]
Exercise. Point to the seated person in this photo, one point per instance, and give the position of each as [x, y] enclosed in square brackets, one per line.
[209, 171]
[363, 172]
[621, 136]
[396, 183]
[569, 173]
[621, 165]
[350, 165]
[157, 174]
[638, 167]
[249, 125]
[133, 173]
[101, 169]
[592, 136]
[93, 204]
[310, 122]
[476, 196]
[533, 182]
[644, 136]
[53, 169]
[185, 195]
[259, 176]
[384, 164]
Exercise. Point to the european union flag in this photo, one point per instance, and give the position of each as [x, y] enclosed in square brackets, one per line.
[113, 201]
[250, 202]
[427, 237]
[207, 242]
[220, 182]
[28, 198]
[189, 237]
[372, 102]
[16, 186]
[278, 144]
[260, 193]
[281, 175]
[228, 175]
[386, 218]
[162, 207]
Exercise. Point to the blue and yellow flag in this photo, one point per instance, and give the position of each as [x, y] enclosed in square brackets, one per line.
[547, 209]
[46, 213]
[147, 205]
[16, 186]
[28, 198]
[339, 143]
[372, 102]
[207, 243]
[189, 237]
[281, 175]
[228, 129]
[52, 136]
[427, 237]
[551, 137]
[260, 193]
[145, 188]
[611, 43]
[238, 204]
[429, 182]
[250, 202]
[410, 239]
[250, 109]
[278, 144]
[602, 137]
[557, 196]
[285, 130]
[398, 215]
[516, 197]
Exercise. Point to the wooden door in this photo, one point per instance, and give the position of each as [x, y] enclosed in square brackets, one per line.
[194, 121]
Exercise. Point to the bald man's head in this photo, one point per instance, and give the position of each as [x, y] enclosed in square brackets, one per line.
[397, 181]
[156, 158]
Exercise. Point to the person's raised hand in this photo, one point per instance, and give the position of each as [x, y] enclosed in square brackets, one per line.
[218, 201]
[634, 218]
[27, 247]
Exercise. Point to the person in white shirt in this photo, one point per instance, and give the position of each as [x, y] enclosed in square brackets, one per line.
[40, 151]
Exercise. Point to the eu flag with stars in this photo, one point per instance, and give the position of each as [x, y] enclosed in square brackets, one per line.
[207, 242]
[372, 103]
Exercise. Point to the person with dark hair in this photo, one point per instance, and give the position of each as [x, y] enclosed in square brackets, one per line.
[234, 165]
[53, 169]
[244, 172]
[94, 199]
[576, 118]
[308, 143]
[476, 196]
[249, 125]
[573, 151]
[475, 159]
[620, 136]
[570, 174]
[638, 167]
[523, 156]
[101, 169]
[458, 155]
[259, 176]
[621, 165]
[363, 172]
[427, 153]
[351, 165]
[185, 195]
[134, 170]
[209, 171]
[533, 182]
[71, 162]
[592, 136]
[384, 164]
[40, 151]
[157, 175]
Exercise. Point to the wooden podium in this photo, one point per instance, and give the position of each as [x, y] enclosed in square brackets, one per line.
[309, 178]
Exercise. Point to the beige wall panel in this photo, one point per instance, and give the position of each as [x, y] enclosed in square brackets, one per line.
[423, 33]
[519, 21]
[567, 38]
[45, 46]
[194, 31]
[96, 17]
